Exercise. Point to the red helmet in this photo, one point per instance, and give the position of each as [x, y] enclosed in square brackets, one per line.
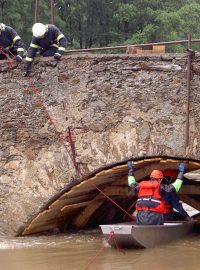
[170, 173]
[156, 174]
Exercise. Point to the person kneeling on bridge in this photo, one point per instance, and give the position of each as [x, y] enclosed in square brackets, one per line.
[11, 43]
[151, 207]
[47, 40]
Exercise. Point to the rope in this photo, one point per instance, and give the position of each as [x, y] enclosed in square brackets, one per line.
[7, 57]
[37, 93]
[111, 235]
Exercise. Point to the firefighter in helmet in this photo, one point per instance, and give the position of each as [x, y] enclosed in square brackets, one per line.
[11, 43]
[47, 40]
[151, 207]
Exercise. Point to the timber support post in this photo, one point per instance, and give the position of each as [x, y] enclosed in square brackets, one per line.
[189, 58]
[37, 2]
[52, 12]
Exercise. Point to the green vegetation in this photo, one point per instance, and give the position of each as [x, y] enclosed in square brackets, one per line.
[96, 23]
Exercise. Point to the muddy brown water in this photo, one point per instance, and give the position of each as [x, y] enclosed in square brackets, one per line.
[87, 250]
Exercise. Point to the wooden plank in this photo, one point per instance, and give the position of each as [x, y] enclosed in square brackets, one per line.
[74, 206]
[38, 229]
[81, 220]
[193, 175]
[190, 201]
[121, 181]
[85, 194]
[70, 200]
[116, 191]
[190, 189]
[194, 163]
[39, 223]
[144, 172]
[137, 164]
[90, 185]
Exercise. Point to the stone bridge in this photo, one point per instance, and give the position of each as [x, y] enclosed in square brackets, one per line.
[68, 130]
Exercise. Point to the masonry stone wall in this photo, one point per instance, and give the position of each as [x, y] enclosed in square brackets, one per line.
[120, 106]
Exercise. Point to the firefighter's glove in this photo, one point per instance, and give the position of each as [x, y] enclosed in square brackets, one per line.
[130, 168]
[181, 167]
[18, 59]
[57, 56]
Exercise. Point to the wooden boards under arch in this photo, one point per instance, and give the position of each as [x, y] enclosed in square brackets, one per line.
[76, 207]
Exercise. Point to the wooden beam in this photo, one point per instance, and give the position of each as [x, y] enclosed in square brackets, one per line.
[116, 191]
[52, 12]
[45, 219]
[37, 11]
[81, 220]
[70, 200]
[190, 201]
[190, 189]
[193, 175]
[74, 206]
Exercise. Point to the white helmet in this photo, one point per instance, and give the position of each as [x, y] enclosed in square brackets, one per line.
[2, 27]
[39, 29]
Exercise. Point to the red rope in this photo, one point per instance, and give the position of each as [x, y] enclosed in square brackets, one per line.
[111, 235]
[88, 180]
[36, 91]
[7, 57]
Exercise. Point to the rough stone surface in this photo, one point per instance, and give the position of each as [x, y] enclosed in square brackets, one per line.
[121, 107]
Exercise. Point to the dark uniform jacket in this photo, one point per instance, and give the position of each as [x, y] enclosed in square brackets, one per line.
[10, 40]
[173, 199]
[53, 41]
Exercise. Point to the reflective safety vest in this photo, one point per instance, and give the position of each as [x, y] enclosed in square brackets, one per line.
[149, 198]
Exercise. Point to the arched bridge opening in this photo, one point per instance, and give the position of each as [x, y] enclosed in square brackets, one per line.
[104, 197]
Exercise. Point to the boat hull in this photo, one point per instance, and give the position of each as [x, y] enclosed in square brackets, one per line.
[140, 236]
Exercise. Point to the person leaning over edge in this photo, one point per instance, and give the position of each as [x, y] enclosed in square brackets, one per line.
[150, 204]
[172, 199]
[11, 43]
[48, 41]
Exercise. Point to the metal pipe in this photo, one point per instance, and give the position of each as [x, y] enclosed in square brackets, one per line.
[188, 93]
[52, 12]
[135, 45]
[37, 11]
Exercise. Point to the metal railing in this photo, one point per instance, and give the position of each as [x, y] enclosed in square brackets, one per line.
[185, 41]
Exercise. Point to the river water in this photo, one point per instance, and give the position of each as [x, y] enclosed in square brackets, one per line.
[87, 250]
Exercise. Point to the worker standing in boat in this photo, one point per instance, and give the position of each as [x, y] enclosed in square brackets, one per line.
[48, 41]
[150, 204]
[10, 43]
[172, 199]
